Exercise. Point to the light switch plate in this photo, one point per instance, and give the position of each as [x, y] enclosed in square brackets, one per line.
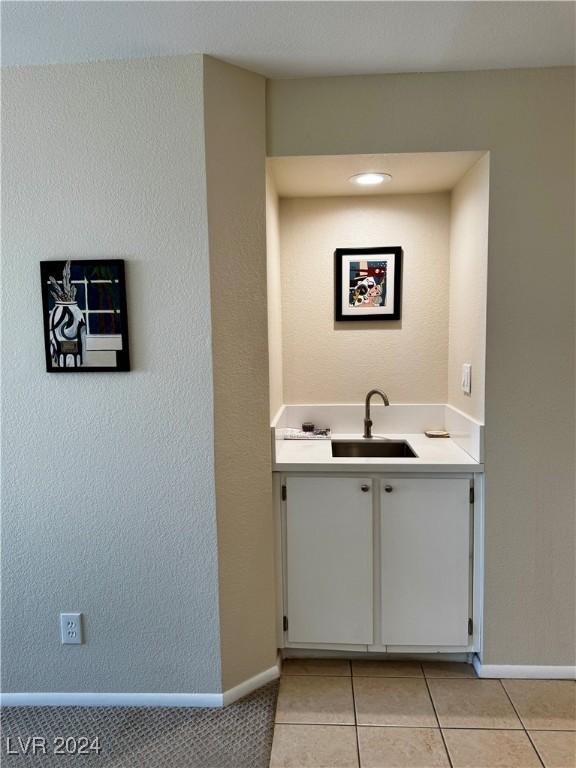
[71, 628]
[467, 378]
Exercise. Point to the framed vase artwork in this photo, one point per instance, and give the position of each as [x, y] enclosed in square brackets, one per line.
[368, 283]
[85, 315]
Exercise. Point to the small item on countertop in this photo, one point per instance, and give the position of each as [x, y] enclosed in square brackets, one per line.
[307, 426]
[436, 433]
[298, 434]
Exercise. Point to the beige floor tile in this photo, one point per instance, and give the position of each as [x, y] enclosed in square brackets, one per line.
[490, 749]
[314, 746]
[544, 705]
[401, 748]
[448, 669]
[393, 701]
[472, 704]
[333, 667]
[369, 668]
[557, 749]
[315, 700]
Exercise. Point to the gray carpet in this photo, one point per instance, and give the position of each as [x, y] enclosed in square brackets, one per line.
[238, 736]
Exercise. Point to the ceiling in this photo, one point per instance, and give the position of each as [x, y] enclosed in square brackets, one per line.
[328, 176]
[297, 39]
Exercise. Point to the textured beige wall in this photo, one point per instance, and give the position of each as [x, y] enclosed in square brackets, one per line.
[235, 171]
[468, 267]
[525, 118]
[273, 276]
[329, 362]
[108, 478]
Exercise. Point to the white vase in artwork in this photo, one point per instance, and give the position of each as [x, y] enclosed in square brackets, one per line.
[67, 335]
[67, 323]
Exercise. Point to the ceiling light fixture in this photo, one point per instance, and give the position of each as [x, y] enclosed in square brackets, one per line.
[370, 179]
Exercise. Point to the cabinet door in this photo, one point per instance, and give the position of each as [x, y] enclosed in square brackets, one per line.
[425, 561]
[329, 560]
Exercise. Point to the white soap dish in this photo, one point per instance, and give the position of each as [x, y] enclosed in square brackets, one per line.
[436, 433]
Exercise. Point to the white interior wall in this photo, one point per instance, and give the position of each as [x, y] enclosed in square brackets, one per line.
[235, 115]
[468, 275]
[274, 289]
[108, 478]
[525, 118]
[338, 362]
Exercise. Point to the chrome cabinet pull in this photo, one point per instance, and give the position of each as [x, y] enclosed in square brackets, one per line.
[365, 488]
[388, 488]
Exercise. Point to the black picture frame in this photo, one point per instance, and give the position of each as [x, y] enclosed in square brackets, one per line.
[362, 305]
[85, 316]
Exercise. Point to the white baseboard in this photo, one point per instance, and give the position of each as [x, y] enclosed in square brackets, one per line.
[111, 699]
[243, 689]
[525, 671]
[196, 700]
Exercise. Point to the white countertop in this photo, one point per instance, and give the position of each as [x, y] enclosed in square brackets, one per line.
[433, 455]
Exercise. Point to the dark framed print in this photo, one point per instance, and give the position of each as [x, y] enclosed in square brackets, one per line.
[85, 315]
[368, 283]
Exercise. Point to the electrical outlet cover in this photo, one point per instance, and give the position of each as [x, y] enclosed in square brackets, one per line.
[71, 628]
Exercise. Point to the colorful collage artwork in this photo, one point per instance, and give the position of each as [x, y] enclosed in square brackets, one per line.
[368, 283]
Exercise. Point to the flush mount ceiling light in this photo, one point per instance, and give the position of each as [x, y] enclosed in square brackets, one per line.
[370, 179]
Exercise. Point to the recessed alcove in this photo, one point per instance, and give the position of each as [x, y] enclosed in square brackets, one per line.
[436, 209]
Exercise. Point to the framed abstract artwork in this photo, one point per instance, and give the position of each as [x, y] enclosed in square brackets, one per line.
[85, 315]
[368, 283]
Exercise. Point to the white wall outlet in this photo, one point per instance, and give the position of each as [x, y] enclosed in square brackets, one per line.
[71, 628]
[467, 378]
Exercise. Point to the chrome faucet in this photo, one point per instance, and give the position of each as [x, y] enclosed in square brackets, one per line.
[367, 419]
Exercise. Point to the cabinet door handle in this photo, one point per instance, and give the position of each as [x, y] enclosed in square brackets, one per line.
[365, 488]
[388, 488]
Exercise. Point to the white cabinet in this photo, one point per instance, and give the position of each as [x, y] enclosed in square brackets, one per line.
[425, 561]
[328, 560]
[377, 562]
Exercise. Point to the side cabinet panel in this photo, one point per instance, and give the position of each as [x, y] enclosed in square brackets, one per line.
[425, 561]
[329, 560]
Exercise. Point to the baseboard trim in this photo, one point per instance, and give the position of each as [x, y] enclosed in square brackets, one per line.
[243, 689]
[525, 671]
[111, 699]
[194, 700]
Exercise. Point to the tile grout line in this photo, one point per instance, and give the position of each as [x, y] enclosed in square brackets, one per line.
[535, 748]
[512, 704]
[355, 716]
[522, 723]
[437, 719]
[341, 677]
[383, 677]
[419, 727]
